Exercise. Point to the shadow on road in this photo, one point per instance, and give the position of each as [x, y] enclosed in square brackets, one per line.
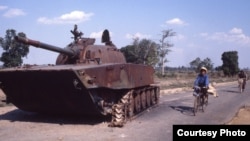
[235, 90]
[19, 115]
[231, 91]
[187, 110]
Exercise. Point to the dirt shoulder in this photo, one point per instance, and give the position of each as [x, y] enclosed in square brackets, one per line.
[242, 117]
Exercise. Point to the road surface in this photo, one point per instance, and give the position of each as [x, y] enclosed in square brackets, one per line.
[155, 124]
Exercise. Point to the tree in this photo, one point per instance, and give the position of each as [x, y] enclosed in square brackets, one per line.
[207, 63]
[164, 47]
[230, 64]
[198, 63]
[141, 52]
[128, 52]
[195, 64]
[13, 50]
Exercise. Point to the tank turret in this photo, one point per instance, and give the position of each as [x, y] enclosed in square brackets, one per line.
[81, 50]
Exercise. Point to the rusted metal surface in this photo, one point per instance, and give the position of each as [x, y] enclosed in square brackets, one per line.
[47, 92]
[45, 46]
[118, 76]
[82, 51]
[86, 79]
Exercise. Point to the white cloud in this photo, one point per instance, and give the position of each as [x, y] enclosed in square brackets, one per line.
[99, 34]
[236, 31]
[204, 34]
[2, 7]
[13, 12]
[178, 37]
[68, 18]
[235, 35]
[175, 21]
[96, 34]
[137, 35]
[179, 51]
[191, 45]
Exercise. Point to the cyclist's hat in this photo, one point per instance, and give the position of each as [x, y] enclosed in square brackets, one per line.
[203, 68]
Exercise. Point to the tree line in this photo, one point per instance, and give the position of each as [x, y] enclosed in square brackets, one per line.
[230, 65]
[141, 51]
[148, 52]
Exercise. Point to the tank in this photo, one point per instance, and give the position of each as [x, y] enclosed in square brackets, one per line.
[86, 79]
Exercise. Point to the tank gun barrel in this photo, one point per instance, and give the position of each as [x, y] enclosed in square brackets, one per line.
[35, 43]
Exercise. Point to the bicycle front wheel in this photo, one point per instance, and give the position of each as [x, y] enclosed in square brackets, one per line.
[202, 103]
[206, 100]
[196, 105]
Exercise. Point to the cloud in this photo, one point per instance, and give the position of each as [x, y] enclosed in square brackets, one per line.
[178, 50]
[2, 7]
[99, 34]
[137, 35]
[13, 12]
[96, 34]
[235, 35]
[175, 21]
[236, 31]
[204, 34]
[179, 37]
[68, 18]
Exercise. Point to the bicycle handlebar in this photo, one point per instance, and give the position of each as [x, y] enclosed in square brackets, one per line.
[198, 87]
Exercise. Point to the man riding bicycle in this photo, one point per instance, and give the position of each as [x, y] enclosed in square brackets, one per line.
[201, 85]
[242, 76]
[201, 81]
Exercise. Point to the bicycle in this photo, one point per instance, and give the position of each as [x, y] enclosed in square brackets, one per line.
[201, 99]
[241, 83]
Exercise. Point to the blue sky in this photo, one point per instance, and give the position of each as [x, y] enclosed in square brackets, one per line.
[204, 28]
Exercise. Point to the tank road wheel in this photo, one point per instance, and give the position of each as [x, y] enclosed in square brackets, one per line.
[137, 103]
[153, 97]
[148, 97]
[157, 95]
[131, 105]
[143, 100]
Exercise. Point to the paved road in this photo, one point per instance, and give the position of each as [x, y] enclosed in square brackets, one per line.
[153, 125]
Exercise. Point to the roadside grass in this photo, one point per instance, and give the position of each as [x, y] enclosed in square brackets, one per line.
[180, 79]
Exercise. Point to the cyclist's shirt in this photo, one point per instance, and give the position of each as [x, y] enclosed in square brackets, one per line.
[201, 81]
[242, 75]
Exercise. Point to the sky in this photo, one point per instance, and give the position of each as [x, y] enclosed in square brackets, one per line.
[204, 28]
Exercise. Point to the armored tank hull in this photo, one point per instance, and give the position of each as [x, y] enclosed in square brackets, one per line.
[120, 89]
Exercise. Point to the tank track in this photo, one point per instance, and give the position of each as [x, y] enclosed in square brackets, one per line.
[132, 104]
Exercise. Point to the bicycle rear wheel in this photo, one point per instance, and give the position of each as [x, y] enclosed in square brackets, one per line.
[205, 101]
[241, 90]
[240, 81]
